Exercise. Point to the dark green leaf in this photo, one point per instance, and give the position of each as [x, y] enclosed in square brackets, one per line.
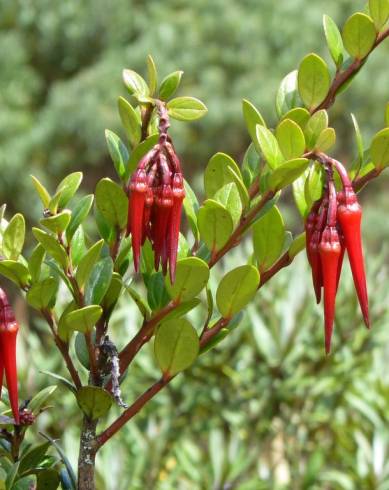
[157, 295]
[142, 305]
[95, 402]
[99, 280]
[87, 262]
[33, 457]
[40, 398]
[48, 480]
[61, 379]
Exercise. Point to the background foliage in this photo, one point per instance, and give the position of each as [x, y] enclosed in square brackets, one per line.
[266, 408]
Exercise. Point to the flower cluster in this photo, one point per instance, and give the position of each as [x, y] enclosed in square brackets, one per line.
[156, 192]
[332, 227]
[8, 331]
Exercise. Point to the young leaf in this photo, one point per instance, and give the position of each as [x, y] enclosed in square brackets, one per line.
[299, 193]
[118, 152]
[379, 150]
[313, 80]
[42, 294]
[215, 224]
[290, 139]
[52, 247]
[287, 173]
[299, 115]
[269, 146]
[359, 35]
[95, 402]
[313, 187]
[42, 191]
[152, 74]
[326, 139]
[334, 40]
[83, 319]
[287, 95]
[268, 237]
[13, 237]
[217, 175]
[99, 281]
[236, 290]
[130, 121]
[135, 84]
[176, 346]
[252, 117]
[170, 84]
[68, 187]
[316, 124]
[186, 108]
[112, 202]
[379, 11]
[192, 275]
[57, 223]
[79, 212]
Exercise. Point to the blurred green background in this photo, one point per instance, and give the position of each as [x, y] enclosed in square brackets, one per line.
[266, 409]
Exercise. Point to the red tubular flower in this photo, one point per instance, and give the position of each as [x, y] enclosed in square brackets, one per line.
[313, 249]
[349, 218]
[8, 333]
[175, 221]
[136, 204]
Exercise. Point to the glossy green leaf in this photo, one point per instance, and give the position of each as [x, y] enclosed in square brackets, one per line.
[217, 175]
[359, 35]
[140, 151]
[98, 282]
[268, 238]
[316, 124]
[42, 294]
[35, 262]
[287, 173]
[33, 457]
[54, 203]
[236, 290]
[269, 147]
[68, 187]
[157, 293]
[379, 11]
[192, 275]
[83, 319]
[252, 117]
[183, 308]
[64, 332]
[52, 247]
[314, 183]
[191, 208]
[229, 197]
[379, 150]
[113, 292]
[79, 212]
[112, 202]
[42, 191]
[287, 97]
[65, 461]
[130, 120]
[41, 398]
[299, 115]
[326, 139]
[152, 74]
[238, 180]
[334, 40]
[118, 152]
[57, 223]
[313, 80]
[15, 272]
[250, 165]
[186, 108]
[13, 237]
[77, 246]
[95, 402]
[170, 84]
[215, 224]
[290, 138]
[135, 84]
[176, 346]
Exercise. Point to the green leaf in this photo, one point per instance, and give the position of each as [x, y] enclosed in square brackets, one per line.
[42, 191]
[112, 202]
[47, 480]
[118, 152]
[326, 139]
[176, 346]
[113, 292]
[191, 208]
[142, 305]
[290, 139]
[95, 402]
[52, 247]
[63, 331]
[379, 150]
[33, 457]
[83, 319]
[313, 80]
[379, 11]
[15, 272]
[316, 124]
[299, 115]
[77, 246]
[287, 95]
[358, 138]
[297, 246]
[236, 290]
[99, 281]
[313, 188]
[269, 146]
[238, 180]
[81, 349]
[57, 223]
[359, 35]
[54, 202]
[268, 237]
[64, 459]
[13, 237]
[87, 262]
[35, 262]
[135, 84]
[30, 481]
[61, 379]
[334, 40]
[152, 74]
[130, 120]
[183, 308]
[186, 108]
[41, 295]
[79, 212]
[140, 151]
[157, 294]
[11, 475]
[252, 117]
[68, 187]
[229, 197]
[215, 224]
[192, 275]
[40, 398]
[170, 84]
[216, 173]
[287, 173]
